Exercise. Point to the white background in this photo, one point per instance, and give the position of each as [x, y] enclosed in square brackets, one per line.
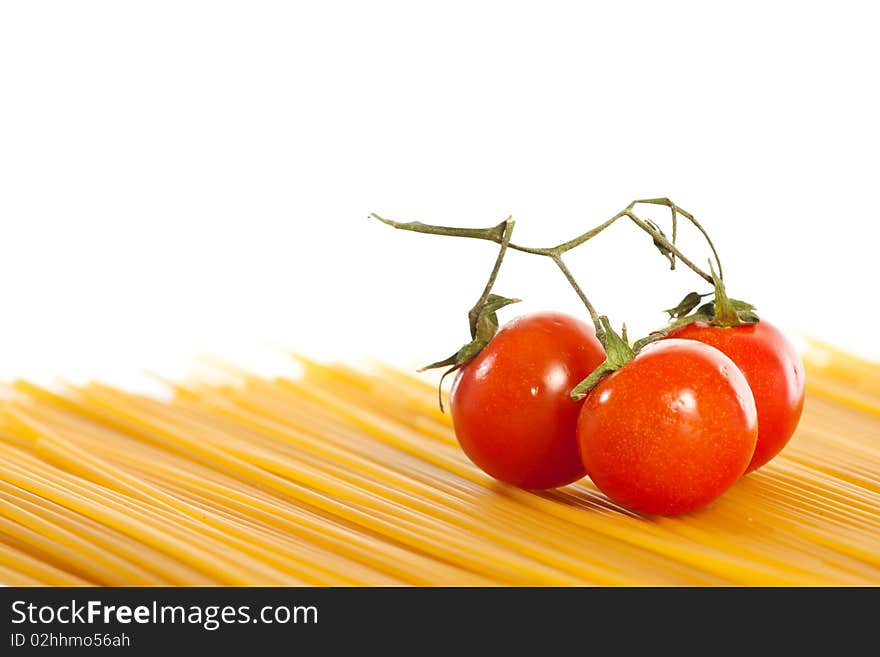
[187, 178]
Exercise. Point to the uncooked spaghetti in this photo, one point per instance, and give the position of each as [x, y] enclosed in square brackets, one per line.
[348, 476]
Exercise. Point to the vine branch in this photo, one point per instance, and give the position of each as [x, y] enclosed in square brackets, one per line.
[687, 215]
[600, 330]
[500, 234]
[506, 227]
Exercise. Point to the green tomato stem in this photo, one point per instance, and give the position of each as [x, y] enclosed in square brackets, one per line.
[474, 313]
[600, 330]
[617, 354]
[687, 215]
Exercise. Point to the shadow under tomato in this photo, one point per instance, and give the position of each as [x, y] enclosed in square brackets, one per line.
[587, 498]
[582, 496]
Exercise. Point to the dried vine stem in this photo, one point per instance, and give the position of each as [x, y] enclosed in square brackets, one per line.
[500, 234]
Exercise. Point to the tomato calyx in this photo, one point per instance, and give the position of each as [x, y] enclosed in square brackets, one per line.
[617, 354]
[721, 311]
[484, 326]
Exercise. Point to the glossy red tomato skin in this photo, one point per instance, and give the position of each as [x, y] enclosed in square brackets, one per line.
[774, 371]
[511, 406]
[671, 430]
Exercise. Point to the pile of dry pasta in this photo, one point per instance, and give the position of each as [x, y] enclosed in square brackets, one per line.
[347, 476]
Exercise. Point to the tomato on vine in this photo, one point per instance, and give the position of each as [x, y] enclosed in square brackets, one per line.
[510, 405]
[669, 429]
[768, 360]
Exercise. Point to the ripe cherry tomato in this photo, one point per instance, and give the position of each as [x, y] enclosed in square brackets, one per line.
[511, 407]
[671, 430]
[774, 371]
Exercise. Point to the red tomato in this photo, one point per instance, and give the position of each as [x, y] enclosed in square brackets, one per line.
[671, 430]
[511, 407]
[774, 371]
